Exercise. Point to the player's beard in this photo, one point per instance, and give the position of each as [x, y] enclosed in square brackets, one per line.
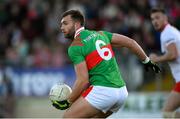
[71, 34]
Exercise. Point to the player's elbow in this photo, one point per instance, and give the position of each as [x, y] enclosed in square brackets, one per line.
[83, 81]
[173, 56]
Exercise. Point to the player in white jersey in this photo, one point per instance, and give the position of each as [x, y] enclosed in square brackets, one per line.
[170, 46]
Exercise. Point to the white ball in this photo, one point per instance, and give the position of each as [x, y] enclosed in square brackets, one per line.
[60, 92]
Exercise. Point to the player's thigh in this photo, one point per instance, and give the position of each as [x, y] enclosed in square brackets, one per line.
[81, 108]
[173, 101]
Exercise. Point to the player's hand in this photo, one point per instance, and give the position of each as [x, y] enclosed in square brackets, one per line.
[153, 57]
[148, 64]
[61, 105]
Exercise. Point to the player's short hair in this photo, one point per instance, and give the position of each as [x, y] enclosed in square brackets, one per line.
[157, 9]
[75, 15]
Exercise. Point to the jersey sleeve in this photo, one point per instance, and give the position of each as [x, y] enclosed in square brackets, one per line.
[169, 41]
[167, 38]
[75, 54]
[108, 34]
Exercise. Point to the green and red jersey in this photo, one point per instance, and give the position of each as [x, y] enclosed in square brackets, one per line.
[95, 48]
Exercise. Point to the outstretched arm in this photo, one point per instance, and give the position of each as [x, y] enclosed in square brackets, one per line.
[123, 41]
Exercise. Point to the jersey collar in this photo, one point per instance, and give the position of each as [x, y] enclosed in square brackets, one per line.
[78, 31]
[162, 29]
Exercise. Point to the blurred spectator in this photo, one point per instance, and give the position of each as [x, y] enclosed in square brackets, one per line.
[7, 99]
[42, 55]
[12, 57]
[58, 58]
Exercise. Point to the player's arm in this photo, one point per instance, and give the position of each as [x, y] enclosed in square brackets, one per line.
[123, 41]
[80, 84]
[170, 55]
[82, 80]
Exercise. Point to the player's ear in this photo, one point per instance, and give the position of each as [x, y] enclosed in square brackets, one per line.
[77, 25]
[166, 17]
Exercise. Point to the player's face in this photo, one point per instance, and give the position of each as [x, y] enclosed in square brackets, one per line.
[68, 27]
[158, 20]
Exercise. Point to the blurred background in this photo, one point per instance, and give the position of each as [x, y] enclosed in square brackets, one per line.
[33, 53]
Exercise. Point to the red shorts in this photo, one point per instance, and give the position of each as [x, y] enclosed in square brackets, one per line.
[177, 87]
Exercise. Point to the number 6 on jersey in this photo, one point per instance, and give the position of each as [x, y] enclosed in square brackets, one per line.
[104, 53]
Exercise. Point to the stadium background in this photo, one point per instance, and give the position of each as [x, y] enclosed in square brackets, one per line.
[33, 53]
